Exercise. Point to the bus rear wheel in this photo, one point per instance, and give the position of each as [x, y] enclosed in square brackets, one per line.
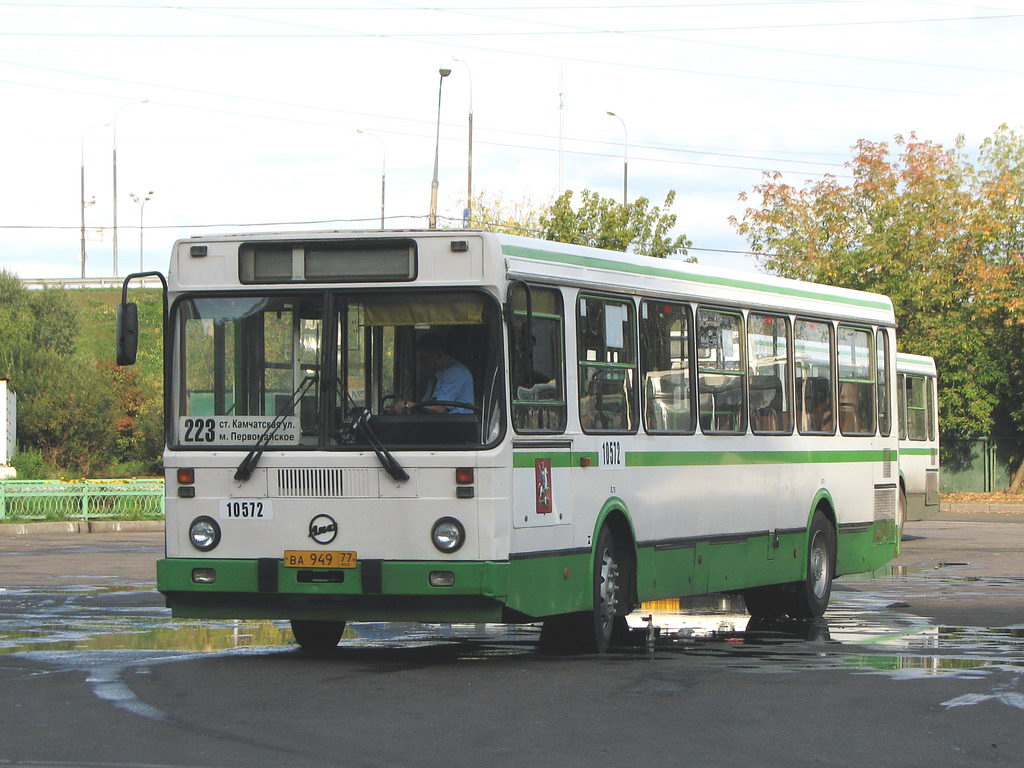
[767, 603]
[317, 635]
[810, 598]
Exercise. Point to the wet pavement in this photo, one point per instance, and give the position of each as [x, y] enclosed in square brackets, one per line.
[921, 663]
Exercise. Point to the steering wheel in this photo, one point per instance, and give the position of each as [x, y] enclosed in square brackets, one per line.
[421, 407]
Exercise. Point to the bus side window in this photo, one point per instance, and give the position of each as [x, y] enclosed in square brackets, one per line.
[606, 341]
[917, 407]
[537, 370]
[901, 406]
[815, 397]
[665, 363]
[721, 371]
[768, 341]
[856, 382]
[882, 370]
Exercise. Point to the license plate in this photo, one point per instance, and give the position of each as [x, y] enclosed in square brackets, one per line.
[318, 558]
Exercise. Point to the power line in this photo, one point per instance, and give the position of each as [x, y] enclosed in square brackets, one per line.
[506, 145]
[503, 33]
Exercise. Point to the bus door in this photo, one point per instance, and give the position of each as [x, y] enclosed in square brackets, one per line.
[543, 458]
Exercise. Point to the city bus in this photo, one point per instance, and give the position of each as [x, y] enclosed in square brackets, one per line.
[918, 415]
[633, 429]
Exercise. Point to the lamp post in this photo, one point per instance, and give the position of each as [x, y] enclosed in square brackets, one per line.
[142, 207]
[383, 168]
[625, 157]
[469, 162]
[432, 218]
[114, 131]
[82, 187]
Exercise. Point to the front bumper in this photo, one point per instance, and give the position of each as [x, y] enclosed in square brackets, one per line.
[375, 590]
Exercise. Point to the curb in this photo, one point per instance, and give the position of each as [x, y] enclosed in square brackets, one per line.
[81, 526]
[964, 508]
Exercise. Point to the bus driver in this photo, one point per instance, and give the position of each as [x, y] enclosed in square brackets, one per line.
[450, 381]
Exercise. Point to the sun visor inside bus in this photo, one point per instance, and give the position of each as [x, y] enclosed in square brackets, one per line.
[448, 310]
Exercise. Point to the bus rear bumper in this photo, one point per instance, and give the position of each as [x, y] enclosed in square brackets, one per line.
[374, 590]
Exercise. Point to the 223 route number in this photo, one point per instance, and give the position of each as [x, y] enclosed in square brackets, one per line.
[611, 455]
[246, 509]
[199, 430]
[315, 558]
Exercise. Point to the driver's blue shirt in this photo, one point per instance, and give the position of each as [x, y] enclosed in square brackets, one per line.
[453, 382]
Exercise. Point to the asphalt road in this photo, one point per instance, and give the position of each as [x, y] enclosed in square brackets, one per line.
[920, 667]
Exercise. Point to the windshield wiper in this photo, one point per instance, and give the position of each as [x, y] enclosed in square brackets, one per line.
[361, 422]
[244, 471]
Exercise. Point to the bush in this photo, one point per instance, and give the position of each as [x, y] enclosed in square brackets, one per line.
[30, 465]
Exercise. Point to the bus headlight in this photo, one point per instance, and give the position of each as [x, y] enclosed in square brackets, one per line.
[448, 535]
[204, 533]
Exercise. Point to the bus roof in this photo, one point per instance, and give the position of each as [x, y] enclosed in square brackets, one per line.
[919, 364]
[528, 256]
[600, 269]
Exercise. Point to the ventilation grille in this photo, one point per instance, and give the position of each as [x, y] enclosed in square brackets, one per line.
[888, 457]
[326, 483]
[885, 503]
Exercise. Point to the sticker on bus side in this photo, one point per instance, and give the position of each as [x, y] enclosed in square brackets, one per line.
[611, 455]
[236, 430]
[542, 474]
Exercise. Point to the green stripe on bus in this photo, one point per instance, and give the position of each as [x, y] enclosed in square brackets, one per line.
[524, 459]
[750, 285]
[916, 451]
[527, 459]
[731, 458]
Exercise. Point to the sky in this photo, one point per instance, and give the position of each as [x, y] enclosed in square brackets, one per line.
[245, 115]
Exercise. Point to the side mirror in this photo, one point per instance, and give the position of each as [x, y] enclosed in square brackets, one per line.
[127, 333]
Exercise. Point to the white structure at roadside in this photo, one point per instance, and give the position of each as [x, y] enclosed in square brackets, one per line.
[8, 422]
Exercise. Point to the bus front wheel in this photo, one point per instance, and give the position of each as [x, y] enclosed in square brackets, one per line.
[593, 631]
[810, 598]
[317, 635]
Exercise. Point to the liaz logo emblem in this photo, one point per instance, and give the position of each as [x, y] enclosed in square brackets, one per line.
[323, 529]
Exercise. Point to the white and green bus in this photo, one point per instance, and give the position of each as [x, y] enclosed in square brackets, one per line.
[638, 429]
[918, 415]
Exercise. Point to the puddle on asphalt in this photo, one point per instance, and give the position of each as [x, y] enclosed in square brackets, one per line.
[862, 631]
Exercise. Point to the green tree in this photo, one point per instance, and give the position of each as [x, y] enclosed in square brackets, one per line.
[929, 229]
[67, 405]
[602, 222]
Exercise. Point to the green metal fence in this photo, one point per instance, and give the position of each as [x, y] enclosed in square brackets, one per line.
[46, 500]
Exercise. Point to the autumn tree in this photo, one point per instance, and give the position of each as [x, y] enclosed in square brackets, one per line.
[494, 213]
[934, 232]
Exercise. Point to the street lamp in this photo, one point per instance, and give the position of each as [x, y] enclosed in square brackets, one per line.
[82, 180]
[469, 163]
[114, 123]
[383, 168]
[625, 156]
[432, 219]
[142, 207]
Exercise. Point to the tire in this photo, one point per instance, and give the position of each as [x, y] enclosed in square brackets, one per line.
[810, 596]
[767, 603]
[902, 510]
[593, 631]
[608, 594]
[317, 635]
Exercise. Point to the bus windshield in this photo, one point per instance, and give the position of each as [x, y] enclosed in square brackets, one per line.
[243, 367]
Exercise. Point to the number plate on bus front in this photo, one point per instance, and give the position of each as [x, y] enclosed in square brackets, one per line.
[246, 509]
[316, 558]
